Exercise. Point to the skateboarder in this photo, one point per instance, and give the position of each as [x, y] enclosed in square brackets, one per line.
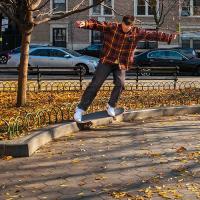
[119, 43]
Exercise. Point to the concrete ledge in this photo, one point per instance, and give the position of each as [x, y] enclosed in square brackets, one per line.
[26, 146]
[29, 144]
[159, 112]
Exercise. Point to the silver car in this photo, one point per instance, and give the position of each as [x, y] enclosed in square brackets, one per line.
[56, 57]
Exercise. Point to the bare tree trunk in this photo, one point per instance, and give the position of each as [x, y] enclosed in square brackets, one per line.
[157, 30]
[23, 69]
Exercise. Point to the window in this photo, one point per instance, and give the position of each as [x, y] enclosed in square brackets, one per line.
[146, 45]
[96, 37]
[59, 5]
[196, 7]
[185, 8]
[196, 44]
[186, 43]
[190, 8]
[103, 10]
[73, 53]
[106, 10]
[157, 54]
[94, 47]
[57, 53]
[59, 37]
[173, 55]
[142, 7]
[40, 52]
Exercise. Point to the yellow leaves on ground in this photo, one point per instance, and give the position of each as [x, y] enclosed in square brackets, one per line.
[98, 178]
[3, 137]
[194, 187]
[7, 158]
[64, 185]
[81, 194]
[46, 100]
[119, 195]
[194, 155]
[181, 150]
[167, 193]
[162, 191]
[75, 161]
[153, 154]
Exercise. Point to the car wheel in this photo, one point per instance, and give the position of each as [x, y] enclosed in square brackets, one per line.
[84, 69]
[3, 59]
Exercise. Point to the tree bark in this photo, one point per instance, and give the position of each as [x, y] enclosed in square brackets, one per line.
[23, 69]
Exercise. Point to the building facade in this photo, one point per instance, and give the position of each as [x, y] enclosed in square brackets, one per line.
[10, 37]
[184, 16]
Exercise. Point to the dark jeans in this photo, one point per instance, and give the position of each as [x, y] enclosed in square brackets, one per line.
[102, 72]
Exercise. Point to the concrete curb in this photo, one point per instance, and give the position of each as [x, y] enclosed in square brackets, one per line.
[159, 112]
[26, 146]
[29, 144]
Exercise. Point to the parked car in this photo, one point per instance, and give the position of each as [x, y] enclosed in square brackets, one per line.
[187, 63]
[5, 55]
[56, 57]
[92, 50]
[95, 50]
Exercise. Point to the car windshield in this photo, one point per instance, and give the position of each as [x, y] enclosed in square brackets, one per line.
[73, 53]
[188, 53]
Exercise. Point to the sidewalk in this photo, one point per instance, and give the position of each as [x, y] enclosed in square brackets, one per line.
[153, 159]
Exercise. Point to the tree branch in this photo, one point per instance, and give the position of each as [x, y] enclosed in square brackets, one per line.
[6, 12]
[111, 9]
[65, 14]
[40, 7]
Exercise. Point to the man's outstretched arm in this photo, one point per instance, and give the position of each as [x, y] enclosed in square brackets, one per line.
[94, 25]
[155, 35]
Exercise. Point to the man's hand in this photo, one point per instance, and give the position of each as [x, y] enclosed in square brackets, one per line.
[80, 24]
[174, 35]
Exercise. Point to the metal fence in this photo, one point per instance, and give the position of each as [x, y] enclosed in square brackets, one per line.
[74, 85]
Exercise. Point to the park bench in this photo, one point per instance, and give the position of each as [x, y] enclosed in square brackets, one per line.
[155, 73]
[49, 72]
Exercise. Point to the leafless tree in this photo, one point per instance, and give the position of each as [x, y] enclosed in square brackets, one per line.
[161, 9]
[27, 14]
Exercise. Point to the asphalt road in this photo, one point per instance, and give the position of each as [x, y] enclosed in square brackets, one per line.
[129, 77]
[4, 77]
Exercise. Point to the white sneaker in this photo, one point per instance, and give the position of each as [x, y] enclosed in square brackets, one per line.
[78, 114]
[110, 110]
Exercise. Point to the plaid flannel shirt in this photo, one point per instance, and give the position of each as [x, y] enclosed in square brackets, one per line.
[118, 45]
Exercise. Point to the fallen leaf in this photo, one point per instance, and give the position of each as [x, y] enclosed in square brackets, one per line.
[181, 149]
[76, 160]
[81, 194]
[7, 158]
[63, 185]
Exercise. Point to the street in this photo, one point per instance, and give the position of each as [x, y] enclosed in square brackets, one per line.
[129, 77]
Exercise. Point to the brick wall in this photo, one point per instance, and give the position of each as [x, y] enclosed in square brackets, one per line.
[77, 38]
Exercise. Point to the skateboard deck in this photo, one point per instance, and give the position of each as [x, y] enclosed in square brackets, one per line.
[86, 122]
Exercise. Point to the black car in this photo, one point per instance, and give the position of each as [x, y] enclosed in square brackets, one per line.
[92, 50]
[188, 63]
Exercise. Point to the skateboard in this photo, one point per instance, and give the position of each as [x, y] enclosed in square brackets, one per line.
[86, 122]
